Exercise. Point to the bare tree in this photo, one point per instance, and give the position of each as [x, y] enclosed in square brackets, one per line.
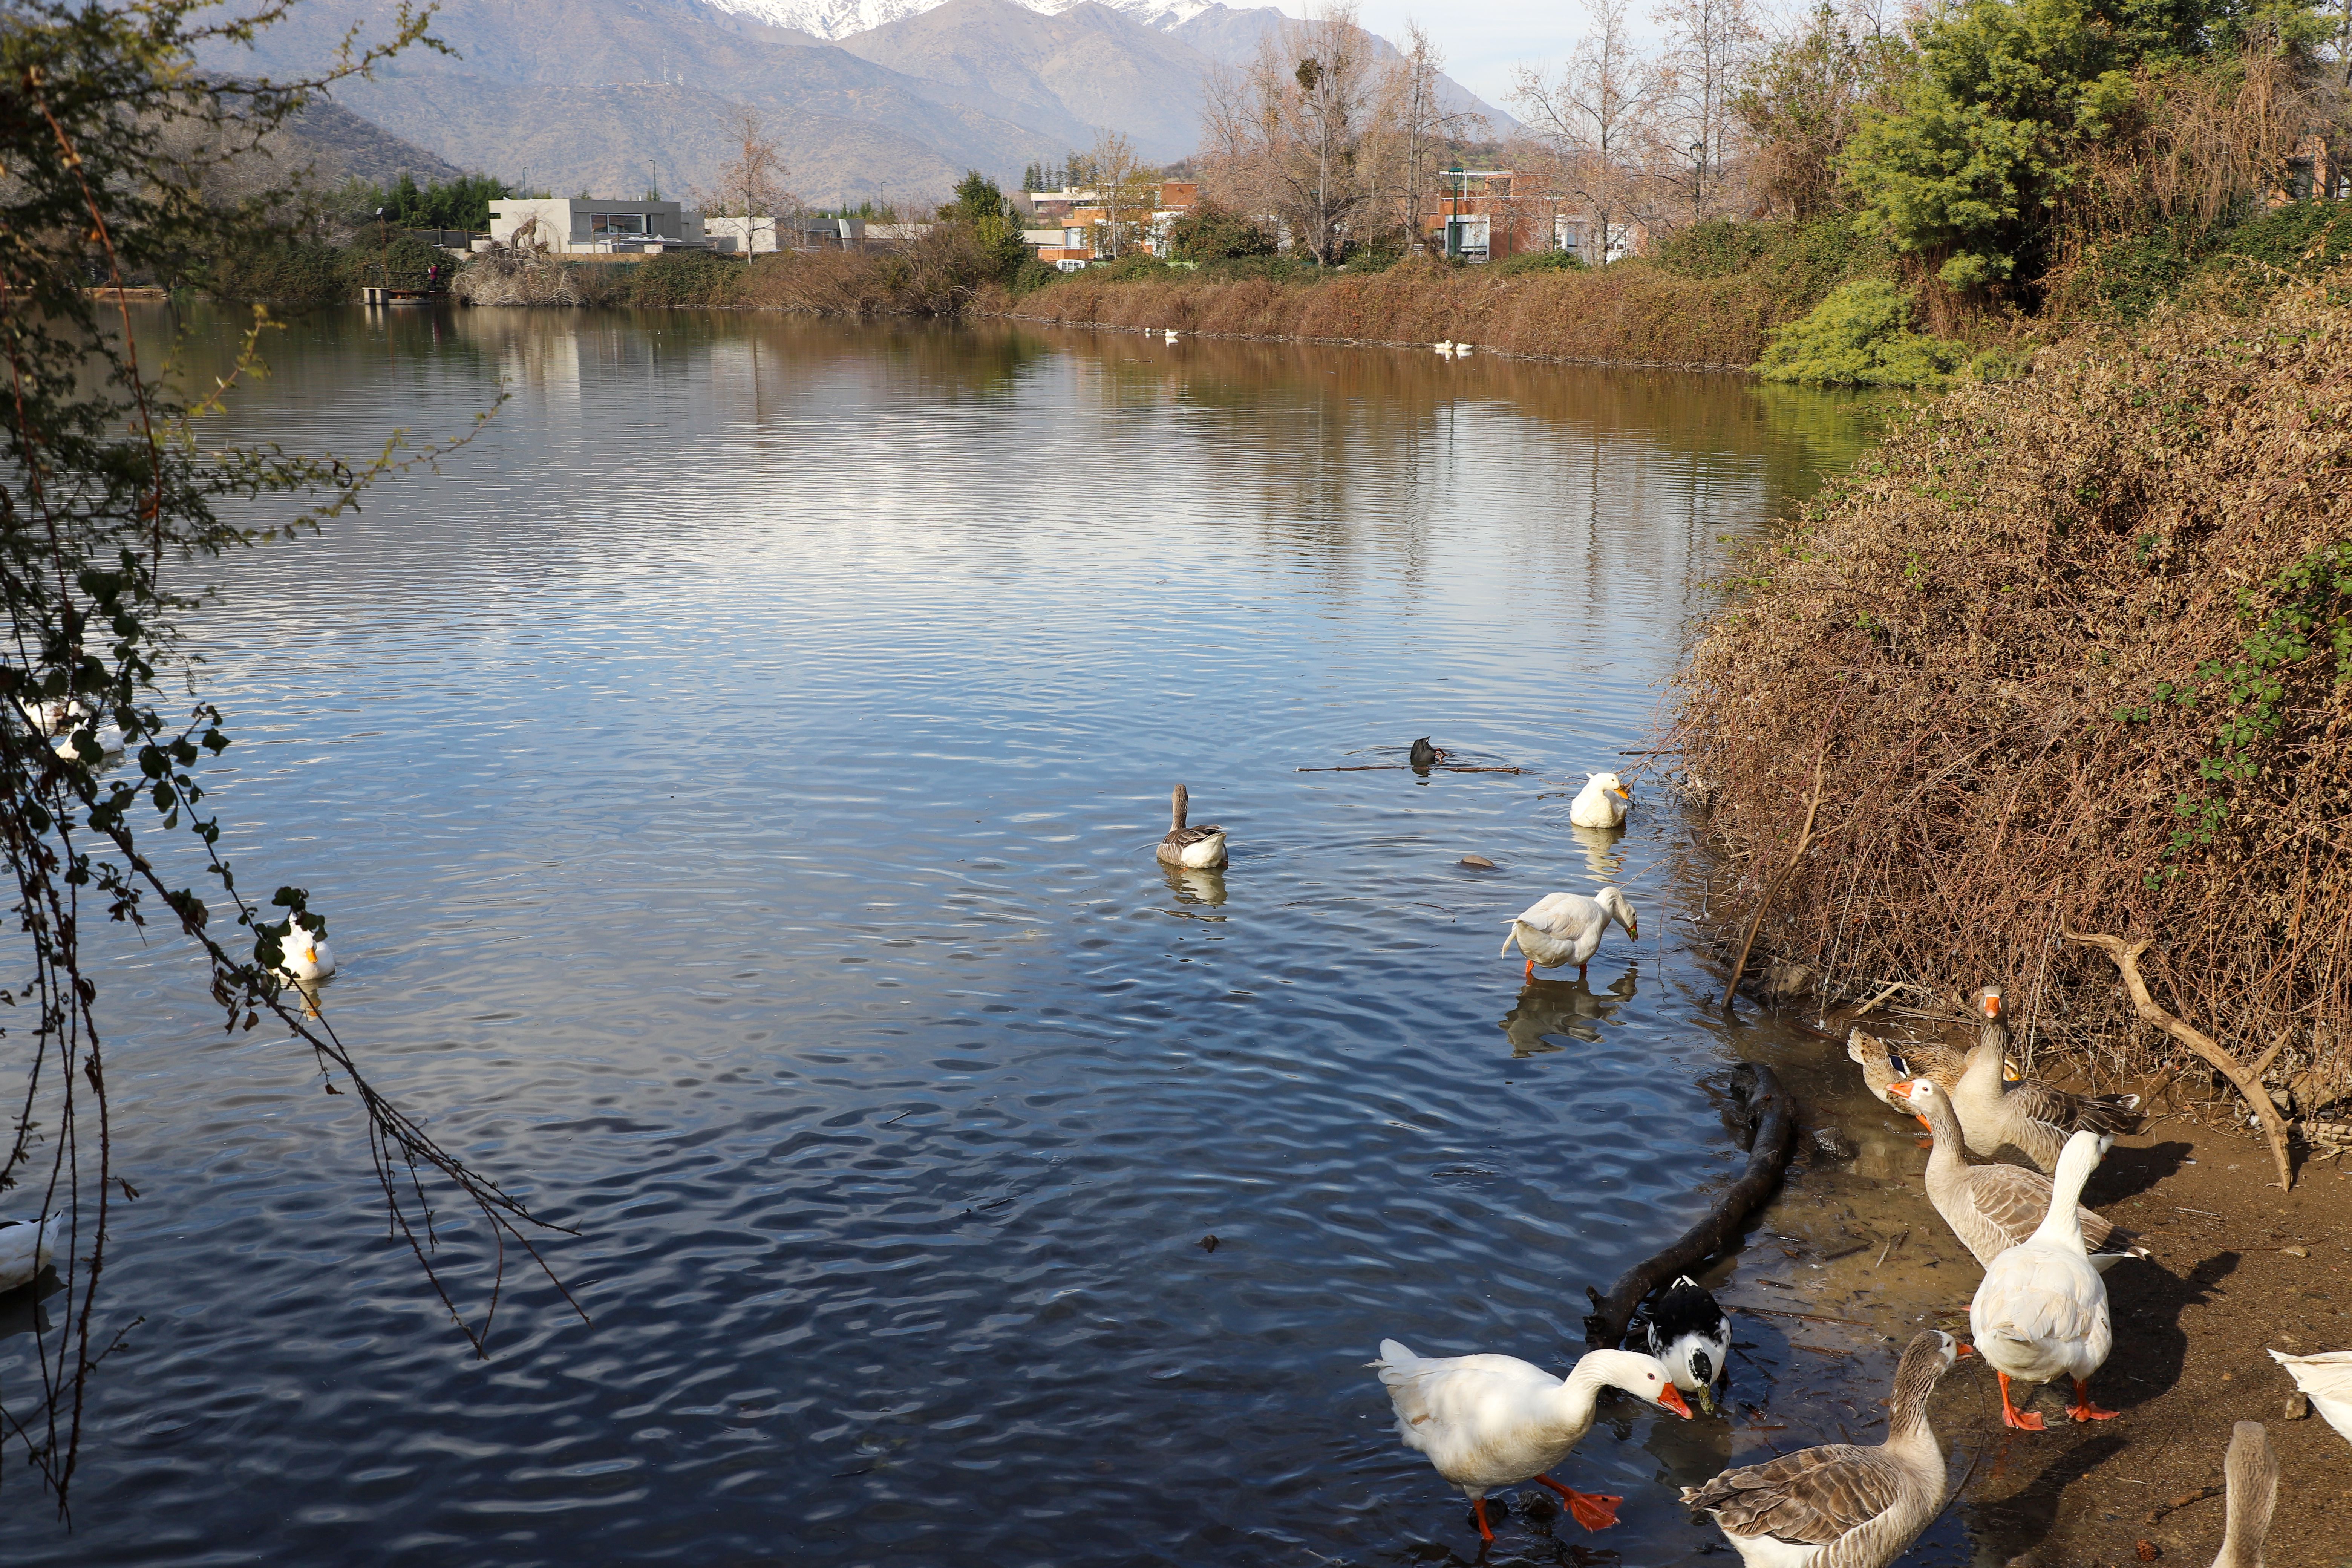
[1125, 188]
[1598, 115]
[751, 186]
[1708, 46]
[1414, 125]
[1293, 132]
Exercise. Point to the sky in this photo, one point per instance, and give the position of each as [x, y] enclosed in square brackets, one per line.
[1485, 44]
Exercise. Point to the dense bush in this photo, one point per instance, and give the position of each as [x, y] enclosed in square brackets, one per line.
[1214, 233]
[1537, 261]
[1860, 336]
[2303, 237]
[293, 275]
[463, 203]
[2075, 647]
[683, 278]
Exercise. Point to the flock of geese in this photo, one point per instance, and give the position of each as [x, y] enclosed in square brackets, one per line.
[2040, 1316]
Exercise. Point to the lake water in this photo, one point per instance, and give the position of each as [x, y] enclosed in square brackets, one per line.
[732, 782]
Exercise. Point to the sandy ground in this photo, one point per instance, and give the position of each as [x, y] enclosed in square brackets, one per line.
[2189, 1361]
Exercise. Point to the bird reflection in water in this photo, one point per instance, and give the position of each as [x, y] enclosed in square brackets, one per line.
[1570, 1007]
[1192, 886]
[1599, 846]
[21, 1311]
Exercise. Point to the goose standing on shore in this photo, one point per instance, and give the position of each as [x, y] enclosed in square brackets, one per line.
[26, 1247]
[1691, 1338]
[1194, 848]
[1489, 1421]
[1844, 1505]
[1992, 1208]
[2327, 1380]
[2042, 1312]
[2029, 1116]
[1566, 928]
[2250, 1477]
[1885, 1064]
[1601, 802]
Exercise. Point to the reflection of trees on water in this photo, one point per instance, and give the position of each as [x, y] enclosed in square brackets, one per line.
[1549, 1009]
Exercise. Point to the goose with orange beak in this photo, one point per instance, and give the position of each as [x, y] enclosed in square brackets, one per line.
[1491, 1421]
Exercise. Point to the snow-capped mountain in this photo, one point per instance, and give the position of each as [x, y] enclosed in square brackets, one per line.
[843, 18]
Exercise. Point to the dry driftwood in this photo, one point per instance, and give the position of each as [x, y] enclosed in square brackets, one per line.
[1767, 1155]
[2125, 951]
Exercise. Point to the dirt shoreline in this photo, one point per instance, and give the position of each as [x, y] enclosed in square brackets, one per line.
[2191, 1326]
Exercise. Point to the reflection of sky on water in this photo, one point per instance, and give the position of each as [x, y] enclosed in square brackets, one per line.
[732, 785]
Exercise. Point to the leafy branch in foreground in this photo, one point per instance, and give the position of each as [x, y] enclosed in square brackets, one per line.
[107, 136]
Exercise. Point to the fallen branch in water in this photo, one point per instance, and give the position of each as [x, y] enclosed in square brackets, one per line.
[1768, 1156]
[1399, 767]
[2125, 951]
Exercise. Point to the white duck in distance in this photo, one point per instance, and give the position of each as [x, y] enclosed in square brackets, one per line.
[1600, 802]
[2042, 1312]
[1844, 1505]
[304, 952]
[1194, 848]
[1991, 1208]
[1566, 928]
[25, 1248]
[2327, 1379]
[1489, 1421]
[1691, 1338]
[2250, 1479]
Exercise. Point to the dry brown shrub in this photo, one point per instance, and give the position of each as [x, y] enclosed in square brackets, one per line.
[1629, 313]
[1967, 630]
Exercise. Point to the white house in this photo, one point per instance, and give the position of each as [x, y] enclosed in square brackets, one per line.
[571, 224]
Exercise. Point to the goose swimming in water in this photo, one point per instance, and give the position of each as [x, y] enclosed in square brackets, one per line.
[1566, 928]
[1489, 1421]
[1691, 1338]
[1194, 848]
[304, 952]
[25, 1248]
[1601, 803]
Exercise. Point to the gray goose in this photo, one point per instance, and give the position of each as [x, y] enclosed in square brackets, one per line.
[1843, 1505]
[2029, 1116]
[1991, 1208]
[1196, 848]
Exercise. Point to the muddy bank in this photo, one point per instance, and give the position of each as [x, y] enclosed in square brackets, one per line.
[1856, 1245]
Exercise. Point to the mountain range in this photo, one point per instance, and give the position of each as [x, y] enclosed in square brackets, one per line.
[610, 97]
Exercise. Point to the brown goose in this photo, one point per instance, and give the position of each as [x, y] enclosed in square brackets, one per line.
[2029, 1116]
[1843, 1505]
[2251, 1473]
[1991, 1208]
[1196, 848]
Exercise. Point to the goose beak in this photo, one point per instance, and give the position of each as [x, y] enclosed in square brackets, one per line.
[1622, 791]
[1672, 1398]
[1634, 929]
[1961, 1348]
[1706, 1400]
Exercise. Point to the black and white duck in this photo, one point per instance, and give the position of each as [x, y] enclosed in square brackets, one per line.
[1688, 1333]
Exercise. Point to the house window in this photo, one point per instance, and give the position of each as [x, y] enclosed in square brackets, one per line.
[615, 222]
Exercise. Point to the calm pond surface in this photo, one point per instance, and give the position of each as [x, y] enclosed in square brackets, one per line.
[732, 782]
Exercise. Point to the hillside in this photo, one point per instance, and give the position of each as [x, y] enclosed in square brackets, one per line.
[1087, 66]
[570, 95]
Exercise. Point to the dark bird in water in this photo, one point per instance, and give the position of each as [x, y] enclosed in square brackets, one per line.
[1426, 755]
[1689, 1334]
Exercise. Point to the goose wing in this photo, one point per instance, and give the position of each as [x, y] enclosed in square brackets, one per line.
[2042, 1296]
[2016, 1199]
[2067, 1112]
[1563, 916]
[1809, 1498]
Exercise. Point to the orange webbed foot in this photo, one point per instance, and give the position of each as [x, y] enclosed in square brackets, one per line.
[1478, 1508]
[2084, 1410]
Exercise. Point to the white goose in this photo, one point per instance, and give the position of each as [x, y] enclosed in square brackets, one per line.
[304, 954]
[1601, 803]
[1445, 348]
[1489, 1421]
[2326, 1378]
[1991, 1208]
[2042, 1312]
[1566, 928]
[2250, 1472]
[25, 1248]
[1843, 1505]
